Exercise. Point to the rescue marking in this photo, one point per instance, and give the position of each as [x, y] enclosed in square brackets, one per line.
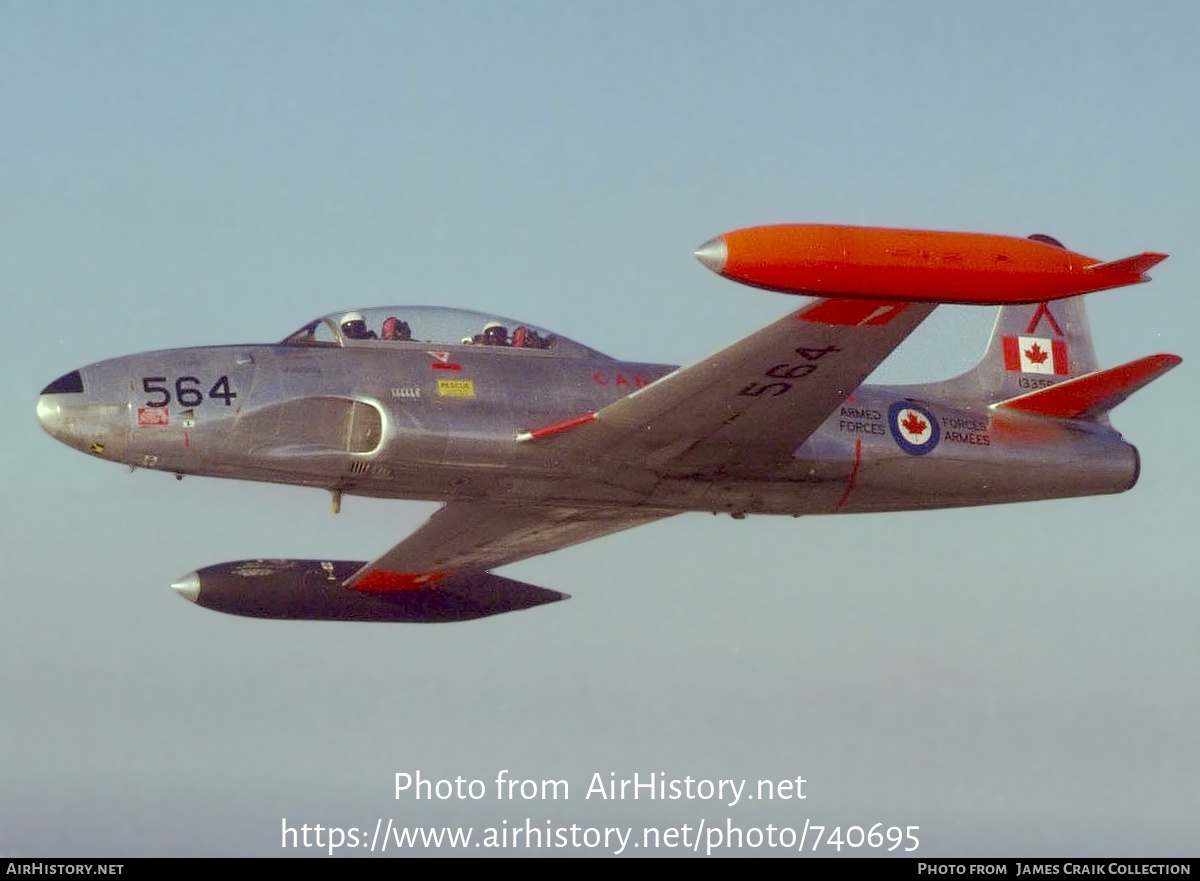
[456, 388]
[153, 416]
[914, 428]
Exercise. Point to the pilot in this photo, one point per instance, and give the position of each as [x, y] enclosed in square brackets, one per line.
[395, 329]
[494, 334]
[354, 327]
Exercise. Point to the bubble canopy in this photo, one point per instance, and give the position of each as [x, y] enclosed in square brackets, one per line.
[423, 326]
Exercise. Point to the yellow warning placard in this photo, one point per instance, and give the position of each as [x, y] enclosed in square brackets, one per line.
[456, 388]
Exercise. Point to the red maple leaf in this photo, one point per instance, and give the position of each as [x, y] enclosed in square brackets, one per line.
[1036, 354]
[914, 424]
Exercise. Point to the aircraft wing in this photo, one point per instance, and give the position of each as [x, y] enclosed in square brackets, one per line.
[439, 573]
[475, 536]
[748, 406]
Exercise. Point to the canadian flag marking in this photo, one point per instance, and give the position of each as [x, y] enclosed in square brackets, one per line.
[1035, 354]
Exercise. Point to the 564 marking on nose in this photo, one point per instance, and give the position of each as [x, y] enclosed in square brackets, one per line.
[187, 391]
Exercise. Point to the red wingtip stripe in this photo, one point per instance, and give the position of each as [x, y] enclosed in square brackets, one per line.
[382, 581]
[852, 313]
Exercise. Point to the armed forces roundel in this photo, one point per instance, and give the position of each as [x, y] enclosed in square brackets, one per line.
[914, 428]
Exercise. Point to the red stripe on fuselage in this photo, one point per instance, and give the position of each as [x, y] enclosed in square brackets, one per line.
[853, 474]
[561, 426]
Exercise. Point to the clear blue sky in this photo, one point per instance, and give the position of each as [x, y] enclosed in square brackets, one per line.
[1017, 680]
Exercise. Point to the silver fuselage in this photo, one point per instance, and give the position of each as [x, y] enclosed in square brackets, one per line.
[397, 421]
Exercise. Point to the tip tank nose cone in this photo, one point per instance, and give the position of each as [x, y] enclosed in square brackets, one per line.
[713, 254]
[188, 587]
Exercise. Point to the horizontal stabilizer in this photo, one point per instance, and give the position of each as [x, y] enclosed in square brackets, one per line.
[312, 590]
[1093, 394]
[1134, 265]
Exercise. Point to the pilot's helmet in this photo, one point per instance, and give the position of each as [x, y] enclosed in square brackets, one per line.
[395, 329]
[354, 325]
[495, 334]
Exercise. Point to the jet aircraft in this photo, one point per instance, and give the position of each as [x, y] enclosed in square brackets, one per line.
[534, 442]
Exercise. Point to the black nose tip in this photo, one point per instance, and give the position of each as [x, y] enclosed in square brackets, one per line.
[71, 383]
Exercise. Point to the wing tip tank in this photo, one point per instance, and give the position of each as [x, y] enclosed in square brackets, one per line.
[313, 590]
[933, 266]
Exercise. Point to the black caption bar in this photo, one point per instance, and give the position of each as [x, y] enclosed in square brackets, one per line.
[833, 867]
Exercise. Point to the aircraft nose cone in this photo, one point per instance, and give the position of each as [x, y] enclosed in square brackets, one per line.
[49, 414]
[188, 587]
[713, 254]
[50, 404]
[85, 410]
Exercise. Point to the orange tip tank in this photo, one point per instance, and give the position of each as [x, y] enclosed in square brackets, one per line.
[909, 264]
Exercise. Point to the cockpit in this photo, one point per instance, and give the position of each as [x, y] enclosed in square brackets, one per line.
[424, 326]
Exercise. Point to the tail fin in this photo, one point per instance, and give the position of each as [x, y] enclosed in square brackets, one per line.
[1032, 347]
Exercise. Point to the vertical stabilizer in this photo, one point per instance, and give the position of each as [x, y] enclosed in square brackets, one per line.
[1032, 347]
